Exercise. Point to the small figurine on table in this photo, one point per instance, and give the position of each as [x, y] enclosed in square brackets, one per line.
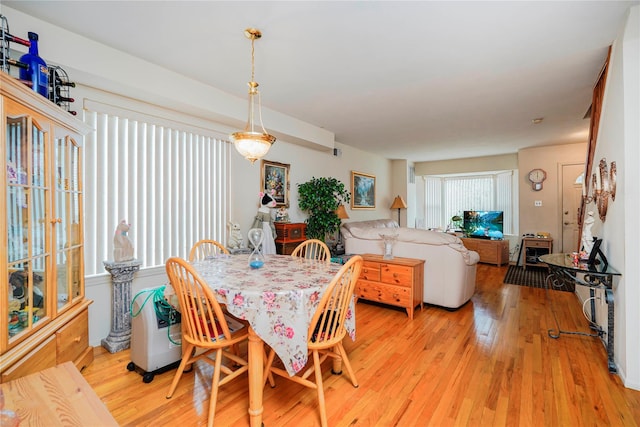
[587, 237]
[122, 246]
[282, 215]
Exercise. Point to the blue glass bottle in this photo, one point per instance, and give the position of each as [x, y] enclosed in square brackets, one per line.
[37, 72]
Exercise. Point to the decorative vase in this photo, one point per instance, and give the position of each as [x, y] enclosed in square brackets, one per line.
[389, 240]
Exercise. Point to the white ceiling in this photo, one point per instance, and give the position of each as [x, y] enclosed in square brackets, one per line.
[422, 81]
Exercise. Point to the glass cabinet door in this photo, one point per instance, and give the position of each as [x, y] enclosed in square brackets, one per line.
[27, 256]
[68, 208]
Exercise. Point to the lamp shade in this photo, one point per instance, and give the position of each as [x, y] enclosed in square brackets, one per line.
[342, 212]
[398, 203]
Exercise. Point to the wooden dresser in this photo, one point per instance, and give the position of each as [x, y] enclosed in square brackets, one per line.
[288, 236]
[490, 251]
[397, 281]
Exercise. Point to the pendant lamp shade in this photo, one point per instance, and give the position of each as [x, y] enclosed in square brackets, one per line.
[253, 142]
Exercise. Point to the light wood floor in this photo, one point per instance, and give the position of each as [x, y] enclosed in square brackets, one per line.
[490, 363]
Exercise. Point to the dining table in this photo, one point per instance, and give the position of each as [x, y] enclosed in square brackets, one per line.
[278, 300]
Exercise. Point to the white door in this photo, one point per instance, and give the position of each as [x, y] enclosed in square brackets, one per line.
[571, 200]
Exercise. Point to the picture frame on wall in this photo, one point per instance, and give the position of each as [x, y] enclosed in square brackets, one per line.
[363, 190]
[275, 176]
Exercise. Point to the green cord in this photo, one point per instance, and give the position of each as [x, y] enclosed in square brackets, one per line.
[159, 302]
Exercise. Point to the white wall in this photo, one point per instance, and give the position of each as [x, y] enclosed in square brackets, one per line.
[618, 140]
[546, 217]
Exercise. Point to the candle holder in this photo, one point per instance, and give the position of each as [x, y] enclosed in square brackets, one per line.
[603, 182]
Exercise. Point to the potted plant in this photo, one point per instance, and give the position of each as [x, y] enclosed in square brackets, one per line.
[320, 197]
[456, 222]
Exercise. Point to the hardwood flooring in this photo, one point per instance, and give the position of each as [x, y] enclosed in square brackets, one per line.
[490, 363]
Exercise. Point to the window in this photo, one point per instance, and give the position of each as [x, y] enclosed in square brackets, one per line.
[169, 179]
[450, 195]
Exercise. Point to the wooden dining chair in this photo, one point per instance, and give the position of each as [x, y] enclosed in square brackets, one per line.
[313, 249]
[206, 328]
[326, 332]
[206, 248]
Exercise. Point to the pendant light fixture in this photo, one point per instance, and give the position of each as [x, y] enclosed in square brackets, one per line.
[253, 142]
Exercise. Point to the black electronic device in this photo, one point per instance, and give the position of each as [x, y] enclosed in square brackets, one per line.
[597, 252]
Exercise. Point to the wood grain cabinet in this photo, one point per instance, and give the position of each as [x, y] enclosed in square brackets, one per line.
[44, 311]
[398, 281]
[490, 251]
[288, 236]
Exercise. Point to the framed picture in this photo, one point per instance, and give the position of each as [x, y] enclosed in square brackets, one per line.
[275, 176]
[363, 190]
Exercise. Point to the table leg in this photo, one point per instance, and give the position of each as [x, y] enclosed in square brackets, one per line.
[336, 368]
[256, 369]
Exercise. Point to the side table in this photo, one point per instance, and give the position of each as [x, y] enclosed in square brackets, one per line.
[288, 236]
[533, 247]
[562, 268]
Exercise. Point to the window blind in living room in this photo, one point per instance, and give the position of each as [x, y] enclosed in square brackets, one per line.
[169, 179]
[449, 195]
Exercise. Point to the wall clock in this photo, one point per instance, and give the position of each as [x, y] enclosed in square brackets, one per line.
[537, 177]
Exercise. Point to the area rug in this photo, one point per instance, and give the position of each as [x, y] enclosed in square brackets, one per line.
[533, 277]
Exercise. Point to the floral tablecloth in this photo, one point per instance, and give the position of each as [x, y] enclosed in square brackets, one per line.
[278, 300]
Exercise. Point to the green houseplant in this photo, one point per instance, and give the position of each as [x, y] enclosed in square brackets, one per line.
[320, 197]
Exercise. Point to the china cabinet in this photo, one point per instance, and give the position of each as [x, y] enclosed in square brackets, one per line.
[44, 318]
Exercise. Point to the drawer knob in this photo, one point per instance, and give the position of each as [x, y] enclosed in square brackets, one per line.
[77, 339]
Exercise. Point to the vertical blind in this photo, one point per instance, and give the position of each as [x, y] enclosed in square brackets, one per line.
[447, 196]
[169, 180]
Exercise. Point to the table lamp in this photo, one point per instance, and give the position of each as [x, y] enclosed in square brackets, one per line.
[398, 203]
[341, 212]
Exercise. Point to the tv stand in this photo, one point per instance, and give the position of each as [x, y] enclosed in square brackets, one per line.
[490, 251]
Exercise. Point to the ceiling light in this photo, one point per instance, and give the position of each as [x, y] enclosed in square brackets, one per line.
[537, 120]
[253, 142]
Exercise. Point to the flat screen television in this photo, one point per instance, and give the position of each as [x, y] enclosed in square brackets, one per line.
[483, 224]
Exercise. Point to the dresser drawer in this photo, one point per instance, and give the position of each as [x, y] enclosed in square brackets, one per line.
[73, 338]
[538, 243]
[41, 357]
[388, 294]
[370, 271]
[396, 275]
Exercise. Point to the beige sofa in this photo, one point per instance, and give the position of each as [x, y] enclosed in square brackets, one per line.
[449, 270]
